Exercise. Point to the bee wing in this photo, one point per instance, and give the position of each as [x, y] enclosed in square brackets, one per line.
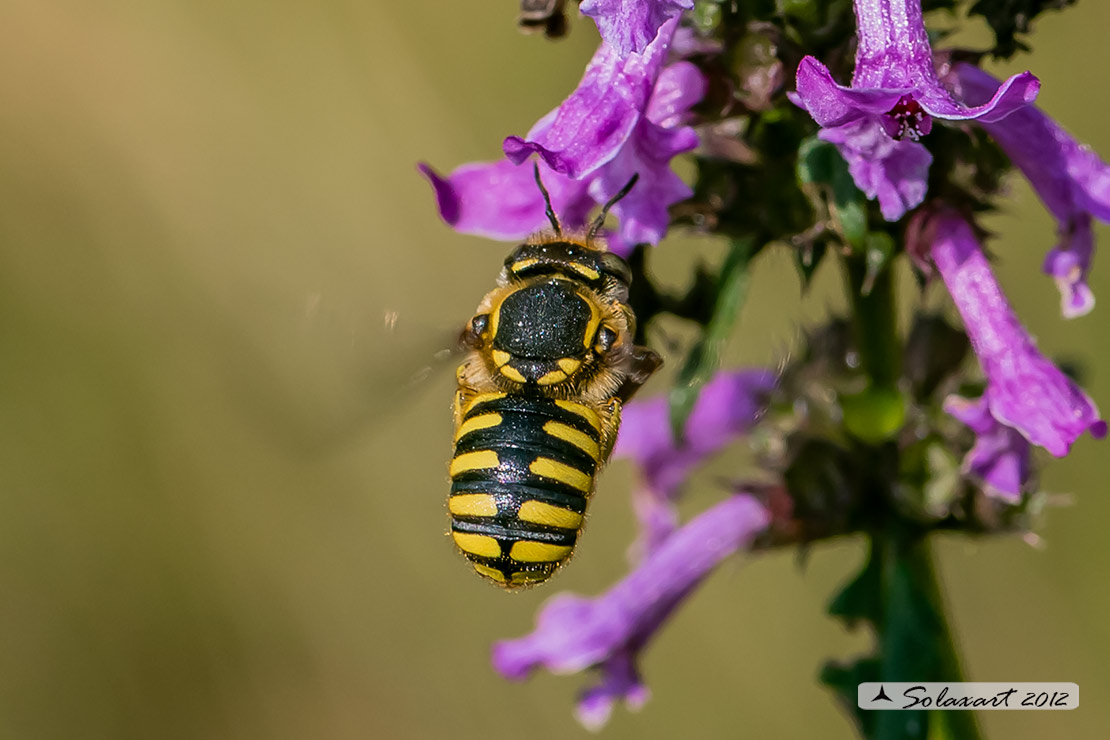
[344, 382]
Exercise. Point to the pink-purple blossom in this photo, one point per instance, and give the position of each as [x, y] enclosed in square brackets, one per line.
[627, 116]
[1025, 390]
[500, 200]
[895, 93]
[1000, 457]
[631, 25]
[608, 632]
[1071, 180]
[727, 408]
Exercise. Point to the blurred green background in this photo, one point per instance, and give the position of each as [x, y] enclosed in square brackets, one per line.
[222, 519]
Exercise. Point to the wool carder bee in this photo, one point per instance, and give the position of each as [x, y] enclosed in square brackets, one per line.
[550, 361]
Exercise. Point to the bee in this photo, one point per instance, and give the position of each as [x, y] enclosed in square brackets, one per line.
[545, 15]
[550, 361]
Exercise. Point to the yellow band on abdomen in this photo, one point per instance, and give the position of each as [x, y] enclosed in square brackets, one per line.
[555, 470]
[485, 421]
[480, 460]
[477, 544]
[472, 504]
[569, 434]
[584, 411]
[539, 512]
[538, 552]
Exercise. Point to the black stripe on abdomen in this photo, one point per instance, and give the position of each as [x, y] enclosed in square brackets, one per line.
[522, 474]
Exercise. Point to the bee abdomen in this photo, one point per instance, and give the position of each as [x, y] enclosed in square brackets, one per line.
[522, 474]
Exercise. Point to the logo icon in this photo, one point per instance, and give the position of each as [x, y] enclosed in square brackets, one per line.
[882, 695]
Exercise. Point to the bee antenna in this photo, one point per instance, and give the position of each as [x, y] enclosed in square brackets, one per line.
[547, 201]
[600, 220]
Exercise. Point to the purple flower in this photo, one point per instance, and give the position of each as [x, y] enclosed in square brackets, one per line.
[727, 407]
[895, 93]
[609, 631]
[499, 200]
[631, 25]
[1070, 179]
[1025, 391]
[893, 171]
[626, 116]
[1000, 456]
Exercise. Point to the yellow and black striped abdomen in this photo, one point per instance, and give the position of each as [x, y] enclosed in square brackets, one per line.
[521, 476]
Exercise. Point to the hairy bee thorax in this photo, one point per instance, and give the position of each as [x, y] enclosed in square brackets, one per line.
[558, 324]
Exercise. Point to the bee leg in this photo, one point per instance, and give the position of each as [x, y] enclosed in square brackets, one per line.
[644, 364]
[610, 425]
[464, 395]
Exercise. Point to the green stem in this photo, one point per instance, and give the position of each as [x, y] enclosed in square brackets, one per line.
[915, 641]
[877, 413]
[875, 318]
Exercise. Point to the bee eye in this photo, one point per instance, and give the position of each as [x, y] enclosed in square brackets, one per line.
[606, 338]
[478, 326]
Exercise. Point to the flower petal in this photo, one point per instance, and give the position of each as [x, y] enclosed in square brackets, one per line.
[629, 26]
[1068, 176]
[894, 52]
[895, 172]
[643, 213]
[574, 633]
[1025, 390]
[501, 201]
[1016, 93]
[1069, 262]
[726, 409]
[658, 138]
[1000, 456]
[894, 95]
[831, 104]
[680, 87]
[892, 45]
[592, 125]
[620, 681]
[1070, 179]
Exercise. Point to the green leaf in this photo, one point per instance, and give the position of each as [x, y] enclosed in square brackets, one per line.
[705, 356]
[896, 592]
[844, 679]
[861, 599]
[822, 169]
